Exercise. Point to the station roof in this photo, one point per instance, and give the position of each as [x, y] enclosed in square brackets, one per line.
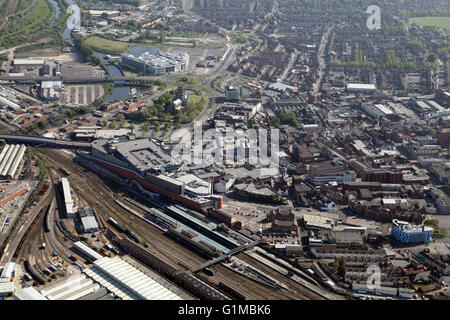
[127, 282]
[29, 293]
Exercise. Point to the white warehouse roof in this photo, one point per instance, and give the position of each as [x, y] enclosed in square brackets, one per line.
[51, 84]
[127, 282]
[29, 293]
[67, 196]
[28, 62]
[7, 270]
[89, 224]
[6, 288]
[87, 251]
[361, 86]
[74, 288]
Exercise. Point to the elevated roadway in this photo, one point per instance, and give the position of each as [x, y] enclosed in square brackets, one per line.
[229, 254]
[40, 140]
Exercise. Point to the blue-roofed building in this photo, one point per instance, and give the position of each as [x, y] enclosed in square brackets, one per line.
[407, 233]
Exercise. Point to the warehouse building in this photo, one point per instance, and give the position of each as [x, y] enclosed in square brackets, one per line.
[29, 293]
[10, 158]
[67, 197]
[6, 289]
[11, 105]
[21, 64]
[361, 87]
[376, 111]
[127, 282]
[87, 220]
[50, 90]
[7, 272]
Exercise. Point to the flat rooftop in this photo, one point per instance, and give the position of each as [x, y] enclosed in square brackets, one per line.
[127, 282]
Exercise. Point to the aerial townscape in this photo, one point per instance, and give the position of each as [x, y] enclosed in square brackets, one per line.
[224, 150]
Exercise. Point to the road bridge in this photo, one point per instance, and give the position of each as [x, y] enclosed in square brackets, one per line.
[40, 140]
[229, 254]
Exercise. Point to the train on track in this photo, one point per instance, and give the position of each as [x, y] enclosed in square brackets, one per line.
[64, 232]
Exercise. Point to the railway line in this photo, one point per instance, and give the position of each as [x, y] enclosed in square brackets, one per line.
[303, 292]
[87, 184]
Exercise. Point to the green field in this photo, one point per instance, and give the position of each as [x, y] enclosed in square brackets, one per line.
[28, 25]
[441, 22]
[108, 46]
[186, 81]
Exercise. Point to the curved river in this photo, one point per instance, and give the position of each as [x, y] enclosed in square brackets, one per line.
[119, 92]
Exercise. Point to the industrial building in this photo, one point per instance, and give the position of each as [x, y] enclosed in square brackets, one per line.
[20, 64]
[376, 111]
[29, 293]
[157, 64]
[67, 197]
[72, 289]
[127, 282]
[10, 158]
[6, 289]
[408, 233]
[50, 89]
[7, 272]
[87, 220]
[361, 87]
[11, 105]
[86, 251]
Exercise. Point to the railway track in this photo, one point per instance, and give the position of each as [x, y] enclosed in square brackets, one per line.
[99, 194]
[87, 184]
